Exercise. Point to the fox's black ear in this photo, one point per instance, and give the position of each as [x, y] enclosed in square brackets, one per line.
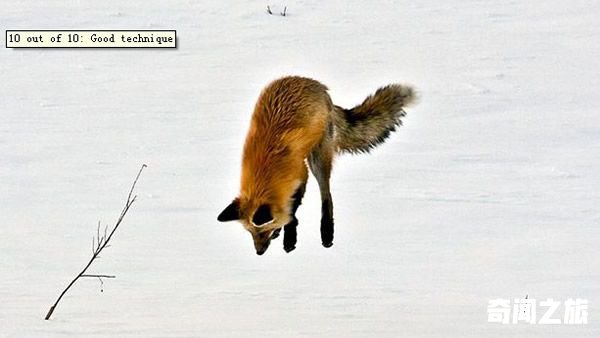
[231, 213]
[262, 215]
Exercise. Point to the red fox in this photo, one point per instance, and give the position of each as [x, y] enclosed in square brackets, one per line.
[295, 123]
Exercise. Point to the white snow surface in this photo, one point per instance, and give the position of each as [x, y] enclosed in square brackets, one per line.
[489, 190]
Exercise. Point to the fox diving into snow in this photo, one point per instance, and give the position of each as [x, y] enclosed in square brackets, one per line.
[295, 123]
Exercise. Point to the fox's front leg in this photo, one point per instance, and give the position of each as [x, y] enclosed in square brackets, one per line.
[290, 234]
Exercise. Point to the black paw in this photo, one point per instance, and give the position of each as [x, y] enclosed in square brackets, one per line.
[327, 236]
[326, 226]
[275, 233]
[290, 235]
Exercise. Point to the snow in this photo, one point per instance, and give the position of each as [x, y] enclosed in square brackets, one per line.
[490, 189]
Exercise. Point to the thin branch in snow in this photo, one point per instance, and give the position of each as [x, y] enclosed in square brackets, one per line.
[98, 276]
[98, 244]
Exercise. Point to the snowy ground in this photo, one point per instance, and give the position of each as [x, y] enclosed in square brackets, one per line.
[490, 190]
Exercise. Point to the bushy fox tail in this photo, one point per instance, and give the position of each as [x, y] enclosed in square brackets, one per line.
[367, 125]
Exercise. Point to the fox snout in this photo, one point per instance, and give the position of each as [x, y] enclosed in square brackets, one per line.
[261, 251]
[261, 242]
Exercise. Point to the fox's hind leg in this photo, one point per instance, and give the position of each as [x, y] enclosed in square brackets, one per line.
[320, 161]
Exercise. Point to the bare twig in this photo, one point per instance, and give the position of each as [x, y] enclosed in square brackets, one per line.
[282, 13]
[98, 244]
[98, 276]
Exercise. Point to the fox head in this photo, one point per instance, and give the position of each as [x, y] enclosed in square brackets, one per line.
[259, 219]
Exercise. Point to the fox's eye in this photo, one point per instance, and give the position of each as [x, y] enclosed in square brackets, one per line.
[262, 215]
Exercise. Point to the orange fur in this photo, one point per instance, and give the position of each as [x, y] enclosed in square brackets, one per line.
[289, 120]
